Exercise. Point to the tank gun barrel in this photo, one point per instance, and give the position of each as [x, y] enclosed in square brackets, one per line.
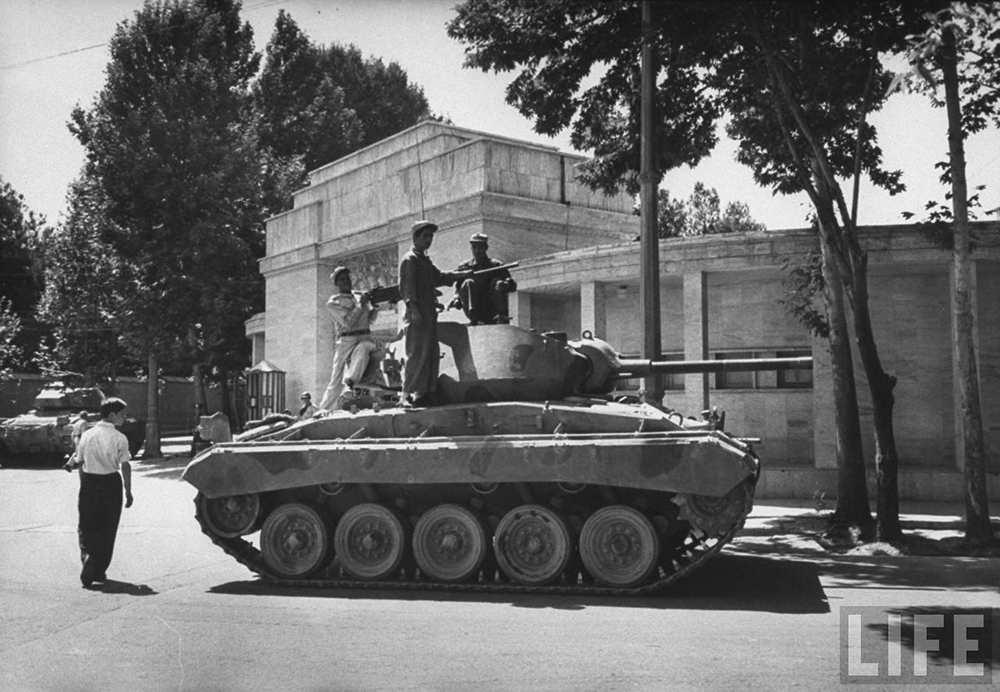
[638, 367]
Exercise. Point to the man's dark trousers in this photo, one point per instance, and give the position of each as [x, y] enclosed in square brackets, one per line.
[100, 506]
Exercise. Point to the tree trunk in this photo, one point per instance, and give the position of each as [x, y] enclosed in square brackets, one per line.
[977, 511]
[852, 488]
[227, 409]
[200, 400]
[153, 409]
[881, 386]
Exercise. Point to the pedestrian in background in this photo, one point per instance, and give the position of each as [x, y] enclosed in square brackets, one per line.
[105, 468]
[307, 409]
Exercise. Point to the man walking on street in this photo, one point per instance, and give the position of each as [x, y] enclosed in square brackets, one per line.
[103, 459]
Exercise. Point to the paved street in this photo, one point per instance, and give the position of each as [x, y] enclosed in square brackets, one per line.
[181, 616]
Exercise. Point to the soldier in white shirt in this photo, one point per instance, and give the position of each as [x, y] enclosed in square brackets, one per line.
[353, 315]
[103, 458]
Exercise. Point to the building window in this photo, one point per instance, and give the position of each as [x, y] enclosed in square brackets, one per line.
[735, 380]
[783, 378]
[794, 378]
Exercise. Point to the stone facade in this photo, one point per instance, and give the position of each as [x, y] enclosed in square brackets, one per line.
[357, 212]
[720, 296]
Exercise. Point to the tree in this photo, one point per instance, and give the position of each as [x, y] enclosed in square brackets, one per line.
[962, 45]
[798, 80]
[737, 219]
[700, 214]
[320, 103]
[85, 288]
[171, 142]
[815, 70]
[672, 215]
[555, 45]
[10, 328]
[704, 215]
[20, 278]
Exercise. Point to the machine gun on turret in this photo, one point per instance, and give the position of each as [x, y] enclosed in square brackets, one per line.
[390, 294]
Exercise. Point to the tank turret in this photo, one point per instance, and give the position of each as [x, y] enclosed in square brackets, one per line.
[507, 363]
[525, 477]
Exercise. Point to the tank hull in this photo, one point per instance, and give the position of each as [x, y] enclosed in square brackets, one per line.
[568, 495]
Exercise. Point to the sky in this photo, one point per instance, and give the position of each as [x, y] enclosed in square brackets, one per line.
[53, 54]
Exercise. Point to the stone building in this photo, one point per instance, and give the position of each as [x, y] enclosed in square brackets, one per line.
[579, 271]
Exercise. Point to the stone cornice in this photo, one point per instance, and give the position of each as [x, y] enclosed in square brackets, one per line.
[742, 251]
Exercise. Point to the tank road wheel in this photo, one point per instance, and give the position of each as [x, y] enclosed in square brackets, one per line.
[449, 543]
[532, 545]
[370, 541]
[714, 516]
[295, 540]
[232, 516]
[619, 546]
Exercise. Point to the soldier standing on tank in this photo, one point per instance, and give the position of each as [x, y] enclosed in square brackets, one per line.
[352, 314]
[483, 298]
[417, 279]
[103, 458]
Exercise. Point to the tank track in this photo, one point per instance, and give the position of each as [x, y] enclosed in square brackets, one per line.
[693, 552]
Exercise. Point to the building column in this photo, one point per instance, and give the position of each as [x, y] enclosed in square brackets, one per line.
[696, 340]
[956, 375]
[519, 306]
[592, 309]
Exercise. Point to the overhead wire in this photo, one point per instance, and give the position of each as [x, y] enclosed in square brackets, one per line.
[251, 8]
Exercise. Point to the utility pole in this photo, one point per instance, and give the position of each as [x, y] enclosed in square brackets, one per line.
[649, 270]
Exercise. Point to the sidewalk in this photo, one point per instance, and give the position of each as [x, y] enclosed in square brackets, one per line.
[797, 527]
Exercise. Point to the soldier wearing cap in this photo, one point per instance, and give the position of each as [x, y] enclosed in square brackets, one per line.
[483, 298]
[417, 279]
[307, 410]
[352, 314]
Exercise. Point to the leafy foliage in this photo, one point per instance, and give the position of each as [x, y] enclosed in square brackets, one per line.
[87, 286]
[700, 214]
[171, 143]
[804, 285]
[320, 103]
[20, 279]
[11, 353]
[976, 28]
[559, 45]
[826, 57]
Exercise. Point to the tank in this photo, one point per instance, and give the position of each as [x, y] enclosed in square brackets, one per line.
[528, 476]
[47, 429]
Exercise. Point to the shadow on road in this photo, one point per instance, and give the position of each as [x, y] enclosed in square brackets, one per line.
[980, 630]
[124, 587]
[34, 462]
[728, 582]
[169, 468]
[935, 573]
